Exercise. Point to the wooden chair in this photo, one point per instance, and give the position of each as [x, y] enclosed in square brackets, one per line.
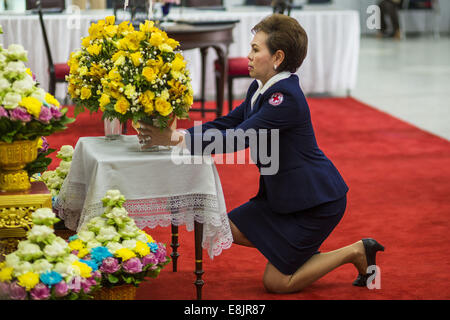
[57, 71]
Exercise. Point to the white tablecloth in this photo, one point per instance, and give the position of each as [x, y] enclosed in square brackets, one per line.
[159, 191]
[331, 64]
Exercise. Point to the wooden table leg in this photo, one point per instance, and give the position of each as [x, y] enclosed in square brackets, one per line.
[174, 246]
[198, 230]
[222, 56]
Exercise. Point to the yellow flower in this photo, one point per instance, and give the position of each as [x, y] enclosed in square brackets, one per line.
[130, 90]
[142, 248]
[125, 27]
[165, 47]
[110, 20]
[83, 71]
[163, 107]
[149, 74]
[50, 99]
[85, 270]
[147, 27]
[83, 252]
[156, 39]
[40, 143]
[6, 274]
[122, 105]
[29, 72]
[86, 41]
[146, 99]
[111, 31]
[164, 69]
[76, 244]
[136, 58]
[178, 63]
[114, 75]
[95, 49]
[125, 254]
[28, 280]
[177, 88]
[85, 93]
[104, 100]
[117, 55]
[32, 105]
[155, 64]
[173, 43]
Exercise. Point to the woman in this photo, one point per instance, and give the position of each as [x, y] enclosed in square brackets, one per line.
[297, 207]
[390, 8]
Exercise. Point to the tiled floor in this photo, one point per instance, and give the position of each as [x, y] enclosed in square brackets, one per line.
[409, 79]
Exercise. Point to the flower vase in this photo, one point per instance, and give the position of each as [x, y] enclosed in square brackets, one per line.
[123, 292]
[136, 126]
[13, 159]
[113, 129]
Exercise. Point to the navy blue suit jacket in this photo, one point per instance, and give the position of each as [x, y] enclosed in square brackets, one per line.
[306, 177]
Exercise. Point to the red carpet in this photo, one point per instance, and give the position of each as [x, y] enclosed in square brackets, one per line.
[399, 179]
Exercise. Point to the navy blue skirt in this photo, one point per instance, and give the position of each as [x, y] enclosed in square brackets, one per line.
[287, 240]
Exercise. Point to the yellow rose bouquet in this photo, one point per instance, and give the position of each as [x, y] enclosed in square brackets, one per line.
[130, 74]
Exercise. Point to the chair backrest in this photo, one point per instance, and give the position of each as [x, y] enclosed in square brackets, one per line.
[202, 3]
[258, 2]
[34, 4]
[47, 45]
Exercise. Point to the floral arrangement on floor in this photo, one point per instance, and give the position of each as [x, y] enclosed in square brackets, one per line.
[26, 111]
[123, 253]
[43, 268]
[130, 74]
[55, 178]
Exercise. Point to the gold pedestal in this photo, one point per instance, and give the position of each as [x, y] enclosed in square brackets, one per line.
[15, 214]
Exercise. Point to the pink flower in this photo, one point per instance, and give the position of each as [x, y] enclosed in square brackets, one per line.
[17, 292]
[161, 253]
[40, 292]
[109, 265]
[55, 112]
[3, 113]
[149, 259]
[45, 114]
[4, 290]
[20, 114]
[61, 289]
[86, 285]
[133, 265]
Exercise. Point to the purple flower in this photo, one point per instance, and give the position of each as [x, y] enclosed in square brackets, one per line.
[149, 259]
[109, 265]
[17, 292]
[45, 145]
[20, 114]
[55, 112]
[161, 253]
[4, 290]
[133, 265]
[3, 113]
[45, 114]
[61, 289]
[97, 274]
[40, 292]
[86, 285]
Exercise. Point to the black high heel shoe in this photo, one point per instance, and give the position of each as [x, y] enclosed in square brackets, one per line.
[371, 246]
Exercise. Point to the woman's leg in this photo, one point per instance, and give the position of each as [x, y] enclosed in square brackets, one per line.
[315, 268]
[238, 236]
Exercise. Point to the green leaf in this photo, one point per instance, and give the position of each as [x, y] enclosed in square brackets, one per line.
[112, 279]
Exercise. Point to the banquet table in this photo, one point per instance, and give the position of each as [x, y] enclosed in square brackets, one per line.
[331, 64]
[168, 187]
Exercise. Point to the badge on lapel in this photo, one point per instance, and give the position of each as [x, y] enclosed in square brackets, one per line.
[276, 99]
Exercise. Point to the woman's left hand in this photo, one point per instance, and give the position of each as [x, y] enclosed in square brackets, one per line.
[152, 136]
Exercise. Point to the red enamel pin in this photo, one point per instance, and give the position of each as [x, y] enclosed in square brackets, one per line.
[276, 99]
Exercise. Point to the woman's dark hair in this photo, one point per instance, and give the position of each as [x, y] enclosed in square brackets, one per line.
[285, 34]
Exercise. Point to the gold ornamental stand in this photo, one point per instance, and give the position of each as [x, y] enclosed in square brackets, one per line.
[15, 214]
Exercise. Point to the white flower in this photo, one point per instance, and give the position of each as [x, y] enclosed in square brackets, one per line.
[40, 233]
[117, 214]
[48, 175]
[141, 237]
[17, 52]
[114, 246]
[39, 94]
[63, 268]
[11, 100]
[93, 244]
[23, 85]
[129, 230]
[129, 244]
[16, 67]
[96, 224]
[42, 215]
[107, 234]
[28, 251]
[4, 84]
[22, 267]
[63, 168]
[56, 249]
[12, 259]
[113, 195]
[86, 236]
[42, 266]
[66, 151]
[55, 182]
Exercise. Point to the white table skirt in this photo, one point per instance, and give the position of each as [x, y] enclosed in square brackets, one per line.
[331, 64]
[159, 191]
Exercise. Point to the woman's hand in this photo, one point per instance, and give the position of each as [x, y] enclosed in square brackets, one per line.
[152, 136]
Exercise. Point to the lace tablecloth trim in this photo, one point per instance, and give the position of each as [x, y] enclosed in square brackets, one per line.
[164, 211]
